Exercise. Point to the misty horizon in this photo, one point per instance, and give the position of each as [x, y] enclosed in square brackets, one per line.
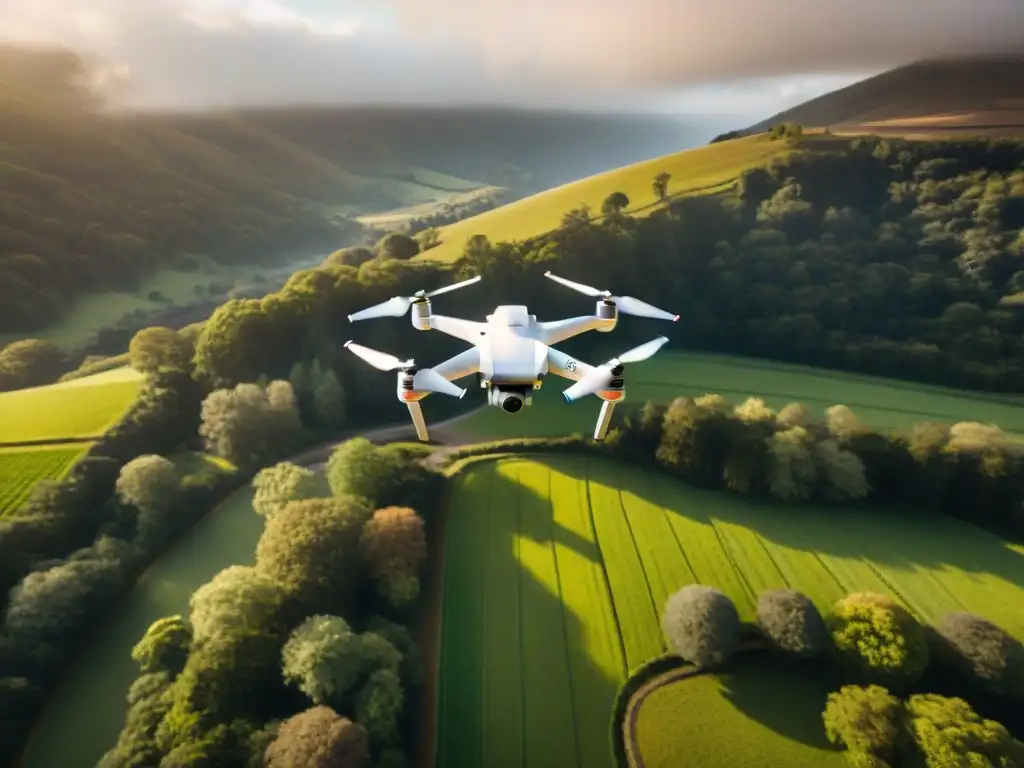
[737, 61]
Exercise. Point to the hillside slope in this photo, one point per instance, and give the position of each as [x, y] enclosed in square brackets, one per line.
[696, 171]
[949, 94]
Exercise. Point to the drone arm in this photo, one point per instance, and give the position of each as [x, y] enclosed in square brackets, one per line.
[416, 414]
[465, 330]
[463, 364]
[567, 367]
[560, 330]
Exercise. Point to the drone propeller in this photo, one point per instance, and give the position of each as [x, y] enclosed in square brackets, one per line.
[603, 375]
[424, 379]
[626, 304]
[399, 305]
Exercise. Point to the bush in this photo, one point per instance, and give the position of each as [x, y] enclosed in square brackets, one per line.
[878, 640]
[947, 731]
[865, 721]
[791, 623]
[976, 651]
[702, 625]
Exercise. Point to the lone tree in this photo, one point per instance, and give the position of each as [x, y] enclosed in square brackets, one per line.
[318, 738]
[878, 640]
[660, 184]
[701, 624]
[979, 652]
[791, 622]
[615, 203]
[865, 721]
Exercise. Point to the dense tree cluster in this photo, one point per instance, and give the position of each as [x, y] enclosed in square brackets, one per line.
[877, 730]
[880, 648]
[971, 471]
[294, 661]
[30, 363]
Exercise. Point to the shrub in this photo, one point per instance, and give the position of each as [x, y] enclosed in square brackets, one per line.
[791, 623]
[878, 640]
[865, 721]
[975, 650]
[701, 624]
[947, 731]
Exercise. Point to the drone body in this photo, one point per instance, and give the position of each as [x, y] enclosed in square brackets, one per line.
[511, 352]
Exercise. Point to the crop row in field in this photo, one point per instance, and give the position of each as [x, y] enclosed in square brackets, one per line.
[77, 409]
[21, 469]
[556, 573]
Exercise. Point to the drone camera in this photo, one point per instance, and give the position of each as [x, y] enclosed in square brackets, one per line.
[510, 400]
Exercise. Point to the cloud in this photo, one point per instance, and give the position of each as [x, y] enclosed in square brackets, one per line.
[637, 54]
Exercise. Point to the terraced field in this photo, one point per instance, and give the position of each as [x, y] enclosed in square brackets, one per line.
[878, 402]
[80, 409]
[696, 171]
[556, 571]
[21, 469]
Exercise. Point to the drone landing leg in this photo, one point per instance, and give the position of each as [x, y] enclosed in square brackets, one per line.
[604, 419]
[417, 419]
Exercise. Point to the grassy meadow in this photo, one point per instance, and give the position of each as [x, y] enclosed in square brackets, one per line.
[757, 711]
[879, 402]
[556, 571]
[72, 410]
[705, 169]
[22, 468]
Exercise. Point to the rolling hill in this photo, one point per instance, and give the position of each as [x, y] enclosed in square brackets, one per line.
[955, 95]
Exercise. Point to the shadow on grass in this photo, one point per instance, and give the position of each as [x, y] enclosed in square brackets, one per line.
[889, 537]
[785, 696]
[518, 685]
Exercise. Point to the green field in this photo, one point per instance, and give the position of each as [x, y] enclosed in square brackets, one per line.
[71, 410]
[878, 402]
[756, 712]
[555, 573]
[705, 169]
[22, 468]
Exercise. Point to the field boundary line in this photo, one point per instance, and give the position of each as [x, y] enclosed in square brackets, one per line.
[771, 558]
[604, 569]
[53, 441]
[675, 534]
[752, 597]
[565, 620]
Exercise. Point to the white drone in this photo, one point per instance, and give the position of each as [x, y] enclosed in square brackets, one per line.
[511, 352]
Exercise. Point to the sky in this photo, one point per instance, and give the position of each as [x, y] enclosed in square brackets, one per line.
[744, 59]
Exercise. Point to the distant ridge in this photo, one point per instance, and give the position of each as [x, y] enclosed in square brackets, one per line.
[976, 94]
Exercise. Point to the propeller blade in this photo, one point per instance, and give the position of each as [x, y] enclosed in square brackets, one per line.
[630, 306]
[642, 352]
[593, 382]
[395, 307]
[430, 380]
[454, 286]
[382, 361]
[585, 289]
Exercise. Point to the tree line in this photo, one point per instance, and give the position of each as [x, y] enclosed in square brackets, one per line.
[888, 711]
